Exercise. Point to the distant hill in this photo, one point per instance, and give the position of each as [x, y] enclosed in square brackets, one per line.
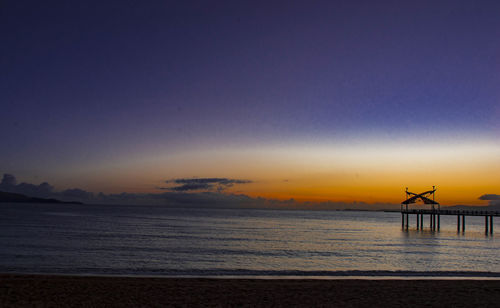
[492, 207]
[18, 198]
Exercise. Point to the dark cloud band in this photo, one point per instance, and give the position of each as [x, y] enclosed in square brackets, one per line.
[203, 184]
[490, 197]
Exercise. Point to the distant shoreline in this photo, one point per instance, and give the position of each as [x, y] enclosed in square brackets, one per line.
[6, 197]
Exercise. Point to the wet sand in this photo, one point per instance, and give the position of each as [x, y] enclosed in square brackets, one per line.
[77, 291]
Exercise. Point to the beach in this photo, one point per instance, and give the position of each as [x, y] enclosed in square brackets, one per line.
[99, 291]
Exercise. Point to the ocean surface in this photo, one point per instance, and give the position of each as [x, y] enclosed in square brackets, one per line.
[159, 241]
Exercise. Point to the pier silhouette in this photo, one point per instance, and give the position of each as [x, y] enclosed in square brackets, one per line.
[434, 213]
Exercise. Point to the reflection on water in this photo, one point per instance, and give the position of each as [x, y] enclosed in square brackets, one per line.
[154, 240]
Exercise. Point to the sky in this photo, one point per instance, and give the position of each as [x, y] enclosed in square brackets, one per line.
[331, 101]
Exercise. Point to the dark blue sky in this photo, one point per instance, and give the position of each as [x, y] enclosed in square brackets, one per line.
[85, 81]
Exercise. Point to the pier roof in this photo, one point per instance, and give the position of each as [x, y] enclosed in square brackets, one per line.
[422, 196]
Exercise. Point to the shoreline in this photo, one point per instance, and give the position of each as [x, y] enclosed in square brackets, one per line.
[262, 277]
[98, 291]
[291, 275]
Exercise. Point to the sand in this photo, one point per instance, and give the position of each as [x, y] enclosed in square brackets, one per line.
[77, 291]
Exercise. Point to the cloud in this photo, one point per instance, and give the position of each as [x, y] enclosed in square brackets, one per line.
[217, 200]
[43, 190]
[494, 199]
[8, 180]
[490, 197]
[203, 184]
[188, 194]
[9, 184]
[76, 194]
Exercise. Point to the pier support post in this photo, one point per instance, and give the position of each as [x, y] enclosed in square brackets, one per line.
[407, 221]
[402, 220]
[463, 223]
[458, 223]
[485, 224]
[491, 224]
[422, 221]
[418, 222]
[433, 222]
[439, 222]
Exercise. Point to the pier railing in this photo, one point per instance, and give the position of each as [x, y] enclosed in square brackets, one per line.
[453, 212]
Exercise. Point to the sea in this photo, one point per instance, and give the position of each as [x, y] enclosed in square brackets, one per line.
[190, 242]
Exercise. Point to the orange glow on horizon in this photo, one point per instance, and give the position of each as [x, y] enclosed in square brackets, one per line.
[370, 173]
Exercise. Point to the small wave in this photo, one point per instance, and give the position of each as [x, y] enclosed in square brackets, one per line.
[65, 214]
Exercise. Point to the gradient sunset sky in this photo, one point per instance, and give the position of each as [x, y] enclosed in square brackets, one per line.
[312, 100]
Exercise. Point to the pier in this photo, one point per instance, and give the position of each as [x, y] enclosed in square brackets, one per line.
[434, 218]
[434, 214]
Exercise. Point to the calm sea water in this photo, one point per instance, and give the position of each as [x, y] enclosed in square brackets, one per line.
[151, 240]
